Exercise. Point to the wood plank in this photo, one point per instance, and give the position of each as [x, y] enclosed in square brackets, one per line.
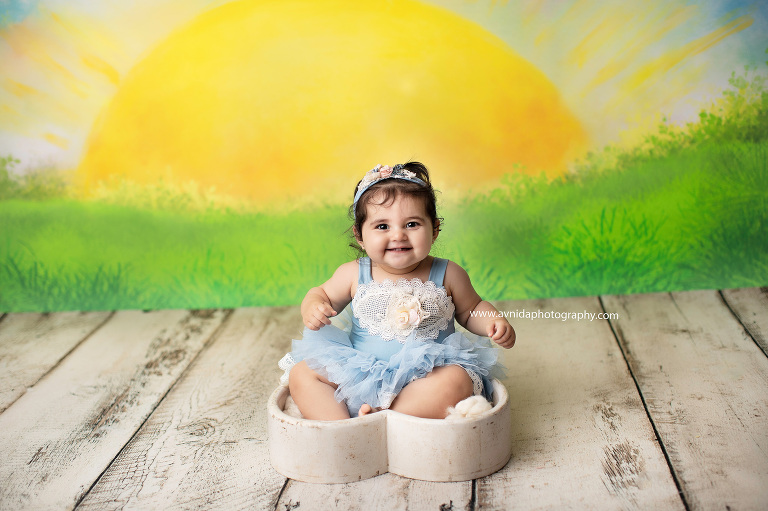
[581, 437]
[750, 305]
[32, 343]
[205, 446]
[57, 439]
[384, 492]
[706, 386]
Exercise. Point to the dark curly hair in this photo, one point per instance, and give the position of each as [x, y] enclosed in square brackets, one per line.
[386, 191]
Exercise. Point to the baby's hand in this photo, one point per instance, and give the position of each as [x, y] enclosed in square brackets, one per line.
[502, 333]
[317, 314]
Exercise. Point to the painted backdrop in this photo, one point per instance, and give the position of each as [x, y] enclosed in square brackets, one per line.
[202, 153]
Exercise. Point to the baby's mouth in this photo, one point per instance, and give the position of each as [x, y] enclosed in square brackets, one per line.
[399, 249]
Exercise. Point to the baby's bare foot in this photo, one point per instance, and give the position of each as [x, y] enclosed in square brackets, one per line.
[366, 409]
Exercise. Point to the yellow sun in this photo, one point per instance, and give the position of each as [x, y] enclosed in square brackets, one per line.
[270, 99]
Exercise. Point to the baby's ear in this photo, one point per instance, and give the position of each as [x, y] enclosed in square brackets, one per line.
[435, 230]
[356, 234]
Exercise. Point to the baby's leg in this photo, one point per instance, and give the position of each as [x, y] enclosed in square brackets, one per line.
[313, 394]
[429, 397]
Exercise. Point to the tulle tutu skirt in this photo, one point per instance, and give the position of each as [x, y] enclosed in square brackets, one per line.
[362, 378]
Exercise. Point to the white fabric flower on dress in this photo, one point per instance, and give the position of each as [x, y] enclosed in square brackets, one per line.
[405, 313]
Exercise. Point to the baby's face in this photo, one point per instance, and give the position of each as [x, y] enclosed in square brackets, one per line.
[398, 236]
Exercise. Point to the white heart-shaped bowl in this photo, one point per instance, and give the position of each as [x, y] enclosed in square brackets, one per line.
[355, 449]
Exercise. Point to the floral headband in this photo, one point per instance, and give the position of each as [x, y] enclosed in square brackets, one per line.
[382, 172]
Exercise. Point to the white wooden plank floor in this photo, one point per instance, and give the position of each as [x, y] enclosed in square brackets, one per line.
[664, 406]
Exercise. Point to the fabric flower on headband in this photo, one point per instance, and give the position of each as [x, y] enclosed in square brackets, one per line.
[380, 172]
[383, 172]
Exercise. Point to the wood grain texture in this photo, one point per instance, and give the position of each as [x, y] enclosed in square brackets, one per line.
[205, 447]
[384, 492]
[581, 437]
[118, 409]
[750, 305]
[706, 386]
[57, 439]
[32, 343]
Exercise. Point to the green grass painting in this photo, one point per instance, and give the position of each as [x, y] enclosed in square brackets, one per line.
[687, 209]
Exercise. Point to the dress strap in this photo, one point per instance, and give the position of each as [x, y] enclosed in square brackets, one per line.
[437, 272]
[364, 270]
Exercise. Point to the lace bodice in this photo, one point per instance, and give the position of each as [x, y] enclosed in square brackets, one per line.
[398, 310]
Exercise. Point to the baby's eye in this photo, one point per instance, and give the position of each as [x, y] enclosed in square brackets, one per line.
[411, 225]
[382, 227]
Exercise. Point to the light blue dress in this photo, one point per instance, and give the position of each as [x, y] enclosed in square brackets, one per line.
[400, 331]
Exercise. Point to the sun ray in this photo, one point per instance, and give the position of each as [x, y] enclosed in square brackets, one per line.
[602, 35]
[34, 103]
[674, 57]
[28, 43]
[56, 140]
[18, 89]
[101, 66]
[632, 52]
[83, 32]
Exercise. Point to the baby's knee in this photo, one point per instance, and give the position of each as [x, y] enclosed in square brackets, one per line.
[457, 384]
[300, 374]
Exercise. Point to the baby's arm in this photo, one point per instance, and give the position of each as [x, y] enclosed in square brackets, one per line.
[474, 313]
[327, 299]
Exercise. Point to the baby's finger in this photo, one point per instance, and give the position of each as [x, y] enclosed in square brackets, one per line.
[327, 310]
[500, 330]
[510, 340]
[316, 320]
[322, 319]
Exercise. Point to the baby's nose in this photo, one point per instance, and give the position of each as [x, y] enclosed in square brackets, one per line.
[398, 233]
